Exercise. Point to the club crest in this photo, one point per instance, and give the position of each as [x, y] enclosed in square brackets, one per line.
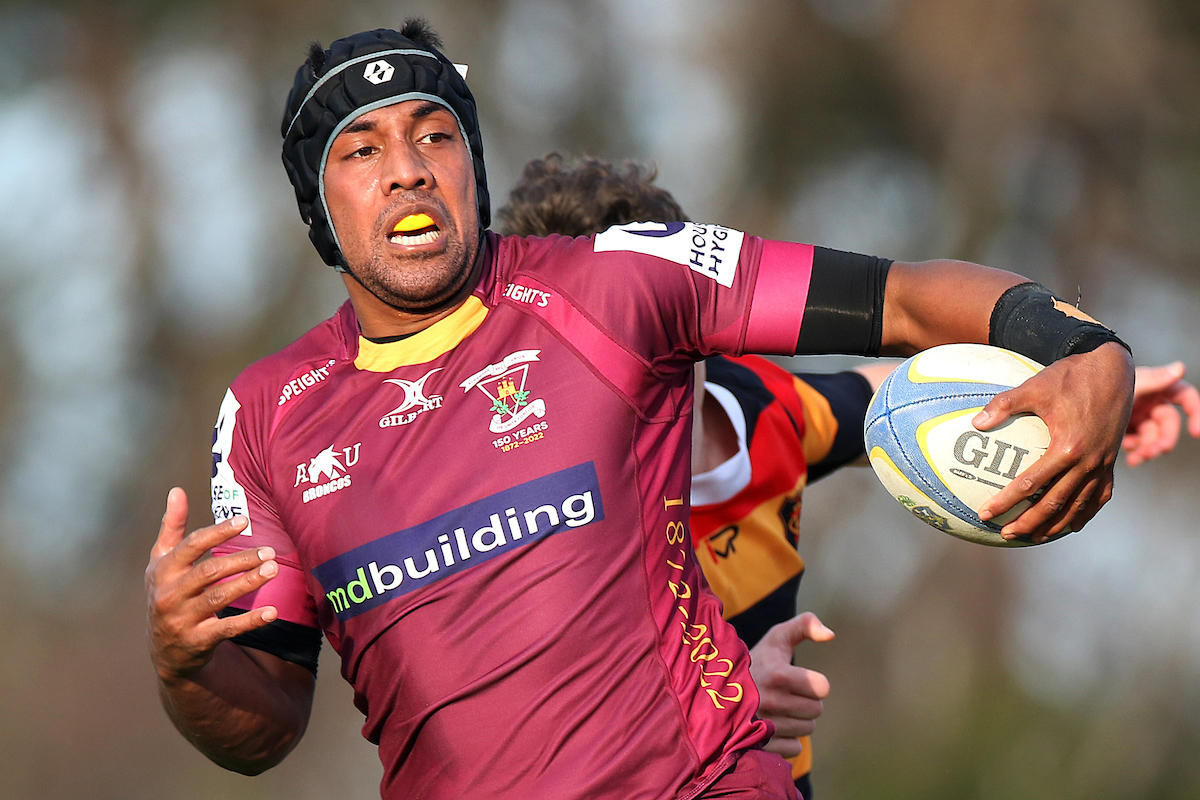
[506, 386]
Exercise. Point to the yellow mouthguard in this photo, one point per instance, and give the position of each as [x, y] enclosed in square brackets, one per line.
[413, 222]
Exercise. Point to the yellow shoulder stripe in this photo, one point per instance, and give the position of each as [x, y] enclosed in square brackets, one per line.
[420, 348]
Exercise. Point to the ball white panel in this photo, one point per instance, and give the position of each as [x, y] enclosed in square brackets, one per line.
[971, 362]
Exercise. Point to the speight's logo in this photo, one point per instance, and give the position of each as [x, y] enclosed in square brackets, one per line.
[416, 557]
[504, 384]
[528, 295]
[328, 470]
[415, 401]
[303, 382]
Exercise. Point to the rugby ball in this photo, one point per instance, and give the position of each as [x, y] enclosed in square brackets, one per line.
[928, 455]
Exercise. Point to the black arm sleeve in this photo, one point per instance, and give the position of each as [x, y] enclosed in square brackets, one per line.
[849, 393]
[299, 644]
[844, 312]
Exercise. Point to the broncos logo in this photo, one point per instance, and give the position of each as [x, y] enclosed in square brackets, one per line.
[414, 393]
[331, 463]
[326, 463]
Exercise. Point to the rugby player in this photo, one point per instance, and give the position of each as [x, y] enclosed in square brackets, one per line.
[759, 436]
[474, 477]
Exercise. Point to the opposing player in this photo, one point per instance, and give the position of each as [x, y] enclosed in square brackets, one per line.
[474, 477]
[760, 435]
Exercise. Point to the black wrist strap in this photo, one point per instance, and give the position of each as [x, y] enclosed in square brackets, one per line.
[1028, 319]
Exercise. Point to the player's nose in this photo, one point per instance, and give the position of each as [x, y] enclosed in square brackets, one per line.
[404, 169]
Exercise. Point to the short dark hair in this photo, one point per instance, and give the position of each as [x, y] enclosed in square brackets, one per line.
[582, 196]
[420, 32]
[415, 29]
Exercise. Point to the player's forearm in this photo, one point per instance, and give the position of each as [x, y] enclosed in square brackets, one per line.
[939, 302]
[876, 373]
[244, 711]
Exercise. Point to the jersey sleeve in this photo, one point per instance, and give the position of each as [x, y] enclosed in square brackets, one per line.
[835, 407]
[645, 300]
[669, 294]
[240, 486]
[737, 293]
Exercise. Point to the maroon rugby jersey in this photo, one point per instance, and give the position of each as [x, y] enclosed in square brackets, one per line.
[488, 519]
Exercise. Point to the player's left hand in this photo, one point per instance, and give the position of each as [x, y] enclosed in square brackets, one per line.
[1086, 401]
[1155, 425]
[789, 696]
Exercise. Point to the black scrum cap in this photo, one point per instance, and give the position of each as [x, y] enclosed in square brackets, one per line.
[356, 75]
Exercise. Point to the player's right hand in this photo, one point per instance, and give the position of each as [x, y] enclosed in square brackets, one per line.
[789, 696]
[184, 593]
[1085, 400]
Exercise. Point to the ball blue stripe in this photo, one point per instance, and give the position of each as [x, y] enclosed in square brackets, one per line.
[900, 407]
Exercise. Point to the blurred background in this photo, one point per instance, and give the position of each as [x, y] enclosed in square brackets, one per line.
[150, 248]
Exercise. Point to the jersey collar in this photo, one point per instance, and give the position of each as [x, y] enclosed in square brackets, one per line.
[423, 347]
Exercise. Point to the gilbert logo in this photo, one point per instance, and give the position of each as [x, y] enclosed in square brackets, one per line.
[328, 470]
[378, 72]
[504, 384]
[415, 401]
[996, 453]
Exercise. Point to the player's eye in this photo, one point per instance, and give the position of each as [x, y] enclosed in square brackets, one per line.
[435, 137]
